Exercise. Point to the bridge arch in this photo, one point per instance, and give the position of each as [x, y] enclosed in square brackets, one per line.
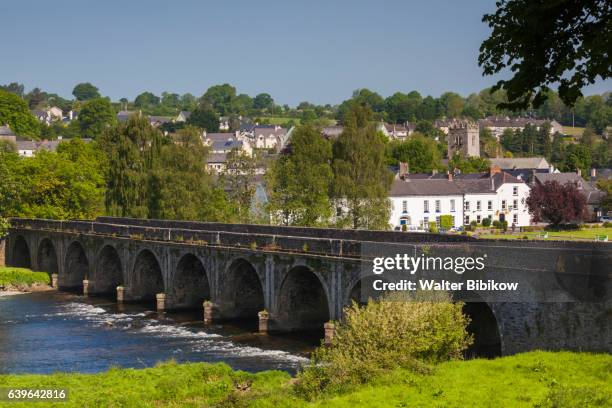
[303, 303]
[21, 253]
[76, 267]
[190, 285]
[483, 326]
[108, 273]
[361, 289]
[47, 256]
[147, 277]
[241, 291]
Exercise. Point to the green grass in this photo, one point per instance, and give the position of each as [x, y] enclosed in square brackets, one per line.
[22, 276]
[573, 131]
[535, 379]
[577, 235]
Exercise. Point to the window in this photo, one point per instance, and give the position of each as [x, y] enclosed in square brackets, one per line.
[404, 206]
[478, 206]
[338, 211]
[515, 190]
[503, 204]
[515, 205]
[515, 219]
[490, 205]
[466, 206]
[452, 205]
[437, 206]
[466, 221]
[438, 221]
[426, 206]
[426, 223]
[478, 219]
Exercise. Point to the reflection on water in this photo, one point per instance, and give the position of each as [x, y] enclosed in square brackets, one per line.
[50, 331]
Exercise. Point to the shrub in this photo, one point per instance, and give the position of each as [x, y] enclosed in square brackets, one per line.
[496, 224]
[433, 228]
[607, 224]
[404, 227]
[446, 222]
[504, 225]
[396, 331]
[486, 222]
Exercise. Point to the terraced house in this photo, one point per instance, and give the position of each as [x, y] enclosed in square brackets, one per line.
[418, 199]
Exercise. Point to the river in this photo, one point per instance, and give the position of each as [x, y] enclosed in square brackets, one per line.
[53, 331]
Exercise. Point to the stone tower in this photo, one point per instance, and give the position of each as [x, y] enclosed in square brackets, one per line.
[463, 137]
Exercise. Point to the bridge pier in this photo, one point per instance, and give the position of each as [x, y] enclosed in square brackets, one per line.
[160, 302]
[85, 287]
[211, 312]
[264, 318]
[120, 294]
[54, 280]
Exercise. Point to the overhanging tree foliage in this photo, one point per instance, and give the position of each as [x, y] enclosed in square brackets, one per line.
[547, 42]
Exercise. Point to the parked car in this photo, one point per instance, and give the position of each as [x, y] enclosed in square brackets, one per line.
[605, 218]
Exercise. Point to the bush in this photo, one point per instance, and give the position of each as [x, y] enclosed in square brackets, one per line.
[607, 224]
[504, 225]
[486, 222]
[496, 224]
[404, 227]
[433, 228]
[396, 331]
[446, 222]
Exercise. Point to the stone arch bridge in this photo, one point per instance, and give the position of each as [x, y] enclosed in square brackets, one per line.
[300, 278]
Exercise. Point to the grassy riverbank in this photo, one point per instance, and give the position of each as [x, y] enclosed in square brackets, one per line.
[542, 379]
[21, 278]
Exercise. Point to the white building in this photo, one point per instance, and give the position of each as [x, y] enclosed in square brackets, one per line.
[418, 200]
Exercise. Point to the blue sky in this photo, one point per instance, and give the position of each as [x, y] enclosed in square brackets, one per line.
[318, 51]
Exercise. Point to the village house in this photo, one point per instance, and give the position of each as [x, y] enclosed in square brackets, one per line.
[183, 116]
[49, 115]
[498, 124]
[396, 131]
[225, 142]
[419, 199]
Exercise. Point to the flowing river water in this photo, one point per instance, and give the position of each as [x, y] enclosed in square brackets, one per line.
[52, 331]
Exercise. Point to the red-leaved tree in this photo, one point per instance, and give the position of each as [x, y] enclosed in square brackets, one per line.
[556, 203]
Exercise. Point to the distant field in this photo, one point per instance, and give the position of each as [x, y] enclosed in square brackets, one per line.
[279, 120]
[573, 131]
[579, 235]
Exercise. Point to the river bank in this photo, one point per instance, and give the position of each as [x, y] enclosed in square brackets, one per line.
[15, 281]
[545, 379]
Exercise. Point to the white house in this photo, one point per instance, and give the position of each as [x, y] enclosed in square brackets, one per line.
[416, 202]
[420, 199]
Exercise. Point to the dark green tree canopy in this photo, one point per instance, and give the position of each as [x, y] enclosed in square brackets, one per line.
[85, 91]
[146, 99]
[220, 97]
[14, 112]
[95, 116]
[205, 118]
[263, 101]
[547, 42]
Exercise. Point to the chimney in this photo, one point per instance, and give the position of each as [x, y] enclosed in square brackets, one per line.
[403, 170]
[493, 169]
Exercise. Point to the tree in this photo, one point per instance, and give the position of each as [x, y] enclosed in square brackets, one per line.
[220, 97]
[299, 182]
[468, 165]
[453, 104]
[35, 98]
[577, 157]
[361, 178]
[421, 153]
[543, 43]
[95, 116]
[14, 87]
[205, 118]
[67, 184]
[85, 91]
[179, 187]
[146, 100]
[556, 203]
[238, 180]
[605, 186]
[263, 101]
[132, 149]
[15, 113]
